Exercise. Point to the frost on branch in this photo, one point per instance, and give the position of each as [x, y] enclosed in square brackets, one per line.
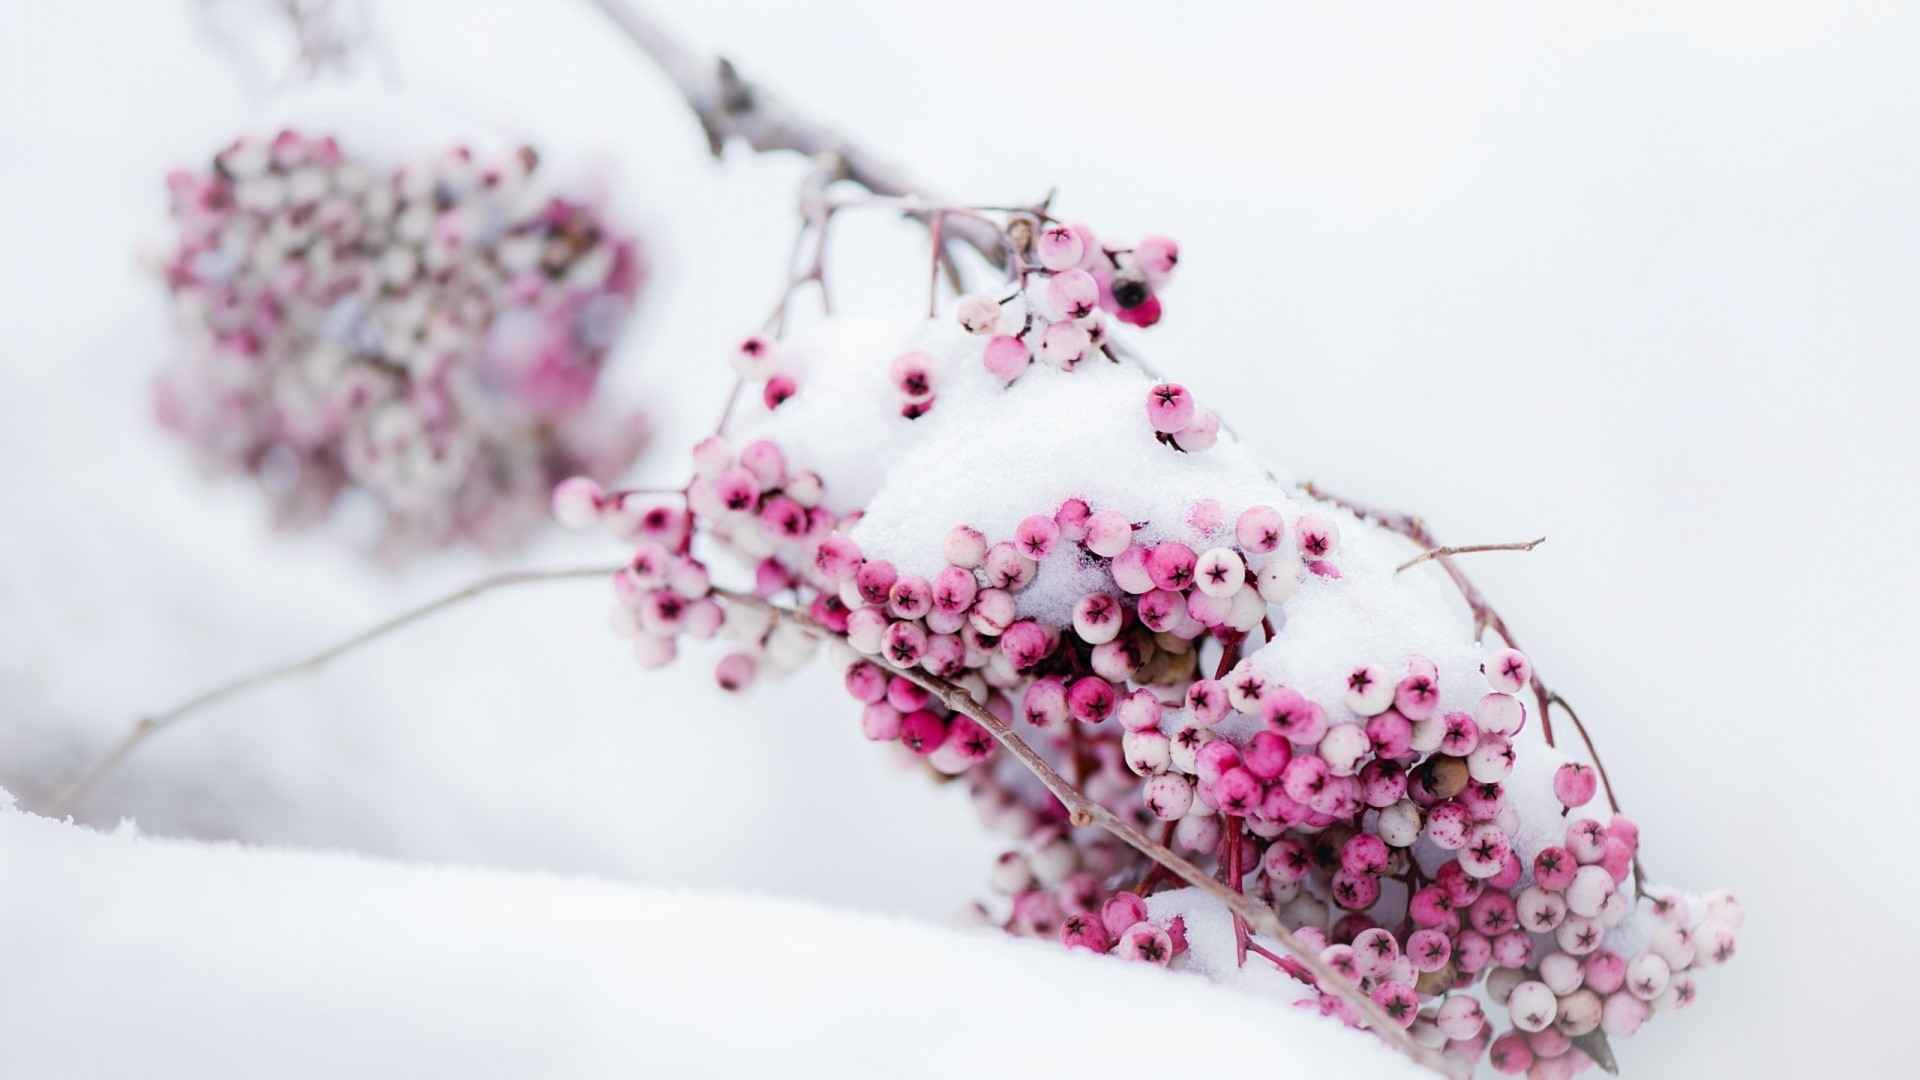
[1217, 658]
[430, 335]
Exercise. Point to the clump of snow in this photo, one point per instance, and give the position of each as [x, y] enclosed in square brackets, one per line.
[989, 455]
[129, 956]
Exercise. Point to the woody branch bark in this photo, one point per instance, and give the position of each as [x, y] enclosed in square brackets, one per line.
[729, 106]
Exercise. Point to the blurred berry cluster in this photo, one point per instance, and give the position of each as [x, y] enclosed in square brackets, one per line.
[429, 336]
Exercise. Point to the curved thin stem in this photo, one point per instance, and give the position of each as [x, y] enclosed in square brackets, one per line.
[1606, 782]
[148, 725]
[1083, 811]
[1468, 549]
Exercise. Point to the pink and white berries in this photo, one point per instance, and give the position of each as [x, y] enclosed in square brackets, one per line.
[1386, 806]
[429, 335]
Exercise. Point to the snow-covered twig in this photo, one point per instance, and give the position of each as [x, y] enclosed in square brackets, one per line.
[728, 106]
[146, 726]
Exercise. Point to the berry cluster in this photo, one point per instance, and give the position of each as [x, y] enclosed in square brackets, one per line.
[1066, 284]
[431, 335]
[1393, 805]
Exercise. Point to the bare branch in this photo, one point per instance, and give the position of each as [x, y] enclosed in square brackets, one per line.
[1468, 549]
[729, 106]
[146, 726]
[1083, 811]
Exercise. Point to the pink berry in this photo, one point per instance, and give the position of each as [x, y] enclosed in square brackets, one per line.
[880, 722]
[1574, 784]
[874, 582]
[1108, 533]
[1400, 1003]
[1085, 932]
[754, 357]
[1097, 619]
[734, 671]
[1201, 434]
[1063, 345]
[1623, 1014]
[1509, 1054]
[1318, 536]
[993, 611]
[1267, 754]
[1146, 943]
[765, 460]
[1091, 699]
[866, 682]
[1059, 247]
[922, 732]
[1219, 572]
[978, 314]
[904, 644]
[1429, 949]
[1156, 256]
[1259, 530]
[1007, 567]
[1500, 714]
[1072, 519]
[966, 547]
[1461, 735]
[954, 589]
[577, 502]
[1416, 696]
[1509, 671]
[912, 375]
[1035, 536]
[1044, 705]
[1171, 565]
[1161, 610]
[1025, 644]
[1130, 570]
[1169, 407]
[837, 559]
[1006, 357]
[1207, 701]
[909, 598]
[1072, 294]
[1168, 796]
[1554, 869]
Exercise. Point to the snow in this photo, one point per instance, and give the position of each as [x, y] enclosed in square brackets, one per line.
[1634, 278]
[989, 455]
[134, 956]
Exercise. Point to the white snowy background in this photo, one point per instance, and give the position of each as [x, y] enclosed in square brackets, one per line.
[1639, 279]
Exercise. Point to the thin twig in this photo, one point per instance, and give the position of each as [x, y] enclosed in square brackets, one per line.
[146, 726]
[728, 106]
[1083, 811]
[1606, 782]
[933, 269]
[1467, 549]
